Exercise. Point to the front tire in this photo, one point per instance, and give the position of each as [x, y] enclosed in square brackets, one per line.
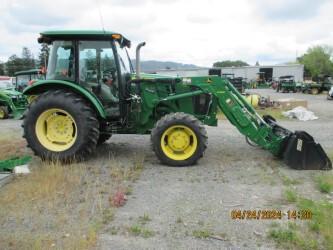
[60, 125]
[179, 139]
[3, 112]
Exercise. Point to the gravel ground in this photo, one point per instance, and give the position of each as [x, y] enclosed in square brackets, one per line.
[231, 175]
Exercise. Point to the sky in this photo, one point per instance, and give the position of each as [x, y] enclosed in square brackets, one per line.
[197, 32]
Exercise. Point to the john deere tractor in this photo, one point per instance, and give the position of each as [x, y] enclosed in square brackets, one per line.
[286, 84]
[92, 92]
[27, 77]
[12, 102]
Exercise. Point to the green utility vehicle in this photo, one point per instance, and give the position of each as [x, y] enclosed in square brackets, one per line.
[92, 92]
[323, 83]
[286, 84]
[27, 77]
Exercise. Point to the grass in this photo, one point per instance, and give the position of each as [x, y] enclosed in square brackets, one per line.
[144, 219]
[139, 230]
[63, 207]
[202, 234]
[315, 233]
[290, 195]
[10, 147]
[288, 181]
[290, 237]
[325, 183]
[179, 220]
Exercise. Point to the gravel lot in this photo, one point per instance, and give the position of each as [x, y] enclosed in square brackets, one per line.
[232, 175]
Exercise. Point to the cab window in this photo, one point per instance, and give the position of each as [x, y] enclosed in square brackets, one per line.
[62, 61]
[97, 67]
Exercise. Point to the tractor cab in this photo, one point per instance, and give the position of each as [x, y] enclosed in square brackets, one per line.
[26, 78]
[96, 60]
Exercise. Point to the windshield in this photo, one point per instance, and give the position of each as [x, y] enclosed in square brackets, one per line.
[5, 84]
[124, 60]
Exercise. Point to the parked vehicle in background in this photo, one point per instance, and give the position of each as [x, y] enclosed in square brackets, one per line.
[28, 77]
[5, 82]
[238, 82]
[330, 94]
[323, 83]
[286, 84]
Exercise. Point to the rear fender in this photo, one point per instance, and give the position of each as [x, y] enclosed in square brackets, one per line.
[45, 85]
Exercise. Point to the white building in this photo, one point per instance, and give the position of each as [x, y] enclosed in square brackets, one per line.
[248, 72]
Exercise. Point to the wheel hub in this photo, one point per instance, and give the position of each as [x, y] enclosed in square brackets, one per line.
[56, 130]
[59, 128]
[179, 142]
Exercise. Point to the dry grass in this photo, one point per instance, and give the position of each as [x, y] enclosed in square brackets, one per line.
[12, 147]
[62, 207]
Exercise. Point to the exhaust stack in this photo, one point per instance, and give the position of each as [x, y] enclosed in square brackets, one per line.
[137, 59]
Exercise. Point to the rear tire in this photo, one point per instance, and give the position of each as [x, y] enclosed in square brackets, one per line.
[179, 139]
[314, 91]
[61, 125]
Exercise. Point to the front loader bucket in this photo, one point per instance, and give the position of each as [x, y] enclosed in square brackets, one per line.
[302, 152]
[298, 149]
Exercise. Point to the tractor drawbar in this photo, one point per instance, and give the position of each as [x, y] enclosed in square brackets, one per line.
[299, 150]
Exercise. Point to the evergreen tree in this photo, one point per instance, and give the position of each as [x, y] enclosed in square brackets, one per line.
[28, 61]
[43, 57]
[2, 68]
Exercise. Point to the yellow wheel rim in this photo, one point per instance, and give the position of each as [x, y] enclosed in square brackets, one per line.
[56, 130]
[31, 98]
[314, 91]
[179, 142]
[2, 113]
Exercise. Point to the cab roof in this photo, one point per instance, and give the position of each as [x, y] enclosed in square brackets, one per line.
[51, 35]
[28, 72]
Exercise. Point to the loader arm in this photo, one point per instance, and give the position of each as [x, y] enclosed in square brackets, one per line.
[243, 116]
[298, 149]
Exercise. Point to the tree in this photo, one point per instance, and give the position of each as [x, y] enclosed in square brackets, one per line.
[257, 64]
[317, 61]
[28, 61]
[13, 65]
[228, 63]
[2, 68]
[43, 57]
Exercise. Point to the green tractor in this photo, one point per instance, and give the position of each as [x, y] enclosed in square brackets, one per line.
[323, 83]
[286, 84]
[91, 92]
[12, 102]
[27, 77]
